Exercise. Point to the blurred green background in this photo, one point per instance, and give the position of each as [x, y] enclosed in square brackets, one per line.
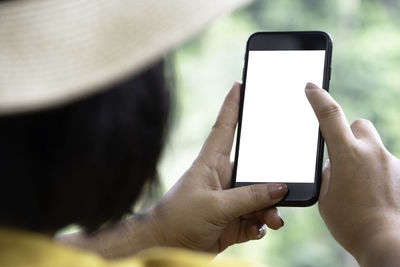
[365, 68]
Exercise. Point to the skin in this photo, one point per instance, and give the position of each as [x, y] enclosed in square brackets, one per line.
[360, 193]
[359, 199]
[201, 211]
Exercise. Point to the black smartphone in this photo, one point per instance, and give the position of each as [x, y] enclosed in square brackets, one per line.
[278, 138]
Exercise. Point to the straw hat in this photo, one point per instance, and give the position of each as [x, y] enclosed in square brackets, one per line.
[56, 51]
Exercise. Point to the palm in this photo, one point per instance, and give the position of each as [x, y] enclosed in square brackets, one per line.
[201, 211]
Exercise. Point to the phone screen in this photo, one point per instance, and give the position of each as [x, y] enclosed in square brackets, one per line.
[279, 131]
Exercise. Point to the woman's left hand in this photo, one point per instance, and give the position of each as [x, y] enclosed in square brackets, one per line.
[201, 211]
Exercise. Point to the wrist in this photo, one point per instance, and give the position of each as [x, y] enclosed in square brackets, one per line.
[381, 250]
[123, 239]
[141, 232]
[380, 245]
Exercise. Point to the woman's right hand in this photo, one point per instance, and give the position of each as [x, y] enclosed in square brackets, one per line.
[360, 192]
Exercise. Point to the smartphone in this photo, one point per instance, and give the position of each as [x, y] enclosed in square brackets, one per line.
[278, 137]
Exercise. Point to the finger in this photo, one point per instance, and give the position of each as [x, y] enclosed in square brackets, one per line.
[364, 129]
[326, 175]
[242, 200]
[220, 139]
[252, 230]
[272, 218]
[269, 216]
[252, 215]
[248, 230]
[332, 121]
[261, 231]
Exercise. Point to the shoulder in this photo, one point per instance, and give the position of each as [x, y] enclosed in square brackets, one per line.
[165, 257]
[21, 248]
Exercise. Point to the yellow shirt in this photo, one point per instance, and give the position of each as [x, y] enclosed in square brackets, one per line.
[20, 249]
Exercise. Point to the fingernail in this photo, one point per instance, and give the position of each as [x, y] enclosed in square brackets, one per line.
[311, 86]
[277, 190]
[327, 163]
[262, 231]
[237, 83]
[282, 221]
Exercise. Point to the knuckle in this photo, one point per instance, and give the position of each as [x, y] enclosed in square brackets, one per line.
[221, 124]
[254, 193]
[347, 152]
[361, 123]
[330, 110]
[218, 124]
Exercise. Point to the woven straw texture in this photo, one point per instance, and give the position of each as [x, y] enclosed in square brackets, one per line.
[55, 51]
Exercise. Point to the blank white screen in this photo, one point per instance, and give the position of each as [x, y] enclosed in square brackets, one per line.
[279, 132]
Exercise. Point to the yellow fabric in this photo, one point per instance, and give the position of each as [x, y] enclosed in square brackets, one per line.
[18, 249]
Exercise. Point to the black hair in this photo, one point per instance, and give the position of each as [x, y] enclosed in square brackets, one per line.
[86, 162]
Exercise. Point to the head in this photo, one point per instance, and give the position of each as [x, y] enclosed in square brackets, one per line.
[84, 162]
[83, 111]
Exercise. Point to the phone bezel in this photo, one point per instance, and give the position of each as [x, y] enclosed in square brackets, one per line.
[300, 194]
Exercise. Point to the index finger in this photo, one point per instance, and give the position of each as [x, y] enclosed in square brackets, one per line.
[220, 139]
[332, 121]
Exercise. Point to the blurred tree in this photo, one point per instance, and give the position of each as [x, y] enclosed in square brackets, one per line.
[365, 80]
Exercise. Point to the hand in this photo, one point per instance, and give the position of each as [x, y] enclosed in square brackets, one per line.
[360, 192]
[201, 212]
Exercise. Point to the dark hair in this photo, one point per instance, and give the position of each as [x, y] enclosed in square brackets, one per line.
[85, 162]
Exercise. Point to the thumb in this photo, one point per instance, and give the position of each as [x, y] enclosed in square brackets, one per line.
[246, 199]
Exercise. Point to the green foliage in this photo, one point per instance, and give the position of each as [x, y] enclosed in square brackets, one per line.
[366, 62]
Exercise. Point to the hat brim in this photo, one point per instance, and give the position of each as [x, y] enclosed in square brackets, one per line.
[53, 52]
